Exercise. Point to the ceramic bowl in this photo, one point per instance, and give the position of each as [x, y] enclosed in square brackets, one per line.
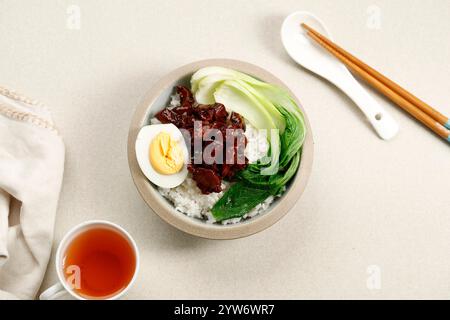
[155, 100]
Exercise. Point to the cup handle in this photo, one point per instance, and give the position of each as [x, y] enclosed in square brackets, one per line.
[53, 292]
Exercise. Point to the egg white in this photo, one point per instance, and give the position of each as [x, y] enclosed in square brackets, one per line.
[143, 141]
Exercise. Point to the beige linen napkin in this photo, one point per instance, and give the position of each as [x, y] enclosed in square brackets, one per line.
[31, 170]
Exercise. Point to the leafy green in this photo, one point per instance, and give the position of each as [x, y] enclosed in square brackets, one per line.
[293, 137]
[274, 182]
[220, 73]
[239, 199]
[253, 187]
[291, 142]
[246, 194]
[238, 97]
[265, 106]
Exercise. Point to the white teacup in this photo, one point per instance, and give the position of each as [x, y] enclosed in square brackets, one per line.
[63, 286]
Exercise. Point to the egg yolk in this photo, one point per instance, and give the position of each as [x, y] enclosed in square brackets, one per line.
[166, 155]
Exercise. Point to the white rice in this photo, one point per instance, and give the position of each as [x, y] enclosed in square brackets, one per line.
[174, 101]
[257, 144]
[188, 198]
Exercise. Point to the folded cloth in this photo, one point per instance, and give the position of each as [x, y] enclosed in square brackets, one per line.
[31, 170]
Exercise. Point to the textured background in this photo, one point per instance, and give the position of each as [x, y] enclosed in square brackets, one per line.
[368, 202]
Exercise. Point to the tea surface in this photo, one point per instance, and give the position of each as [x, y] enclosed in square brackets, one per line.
[106, 262]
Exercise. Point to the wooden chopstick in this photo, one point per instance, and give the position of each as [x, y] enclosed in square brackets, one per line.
[389, 83]
[407, 101]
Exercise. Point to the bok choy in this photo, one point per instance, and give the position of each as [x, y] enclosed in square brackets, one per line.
[265, 106]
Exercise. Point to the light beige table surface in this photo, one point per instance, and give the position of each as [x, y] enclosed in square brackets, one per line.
[374, 221]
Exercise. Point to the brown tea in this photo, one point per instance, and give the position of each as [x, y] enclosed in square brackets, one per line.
[99, 263]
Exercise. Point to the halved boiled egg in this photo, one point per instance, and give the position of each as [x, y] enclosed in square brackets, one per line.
[162, 154]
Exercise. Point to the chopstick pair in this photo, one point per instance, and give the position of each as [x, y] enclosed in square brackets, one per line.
[424, 113]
